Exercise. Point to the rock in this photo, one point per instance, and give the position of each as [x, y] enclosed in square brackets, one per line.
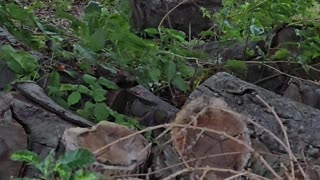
[301, 122]
[123, 157]
[208, 148]
[5, 72]
[186, 16]
[12, 139]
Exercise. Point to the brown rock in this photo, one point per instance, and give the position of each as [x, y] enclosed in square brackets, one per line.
[208, 148]
[122, 157]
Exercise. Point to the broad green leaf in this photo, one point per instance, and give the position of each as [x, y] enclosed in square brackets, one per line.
[98, 94]
[101, 112]
[74, 98]
[180, 83]
[73, 74]
[15, 66]
[81, 175]
[109, 67]
[178, 35]
[76, 159]
[170, 70]
[6, 53]
[88, 106]
[87, 112]
[155, 74]
[185, 70]
[20, 14]
[26, 156]
[89, 79]
[106, 83]
[85, 54]
[48, 164]
[151, 31]
[236, 65]
[207, 33]
[83, 89]
[54, 79]
[68, 87]
[64, 172]
[281, 54]
[97, 40]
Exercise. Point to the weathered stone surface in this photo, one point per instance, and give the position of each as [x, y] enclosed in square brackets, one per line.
[186, 16]
[202, 148]
[43, 128]
[12, 139]
[5, 72]
[34, 92]
[124, 156]
[302, 122]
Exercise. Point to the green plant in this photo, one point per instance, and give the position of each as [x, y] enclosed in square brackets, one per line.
[22, 63]
[102, 36]
[253, 19]
[88, 99]
[68, 166]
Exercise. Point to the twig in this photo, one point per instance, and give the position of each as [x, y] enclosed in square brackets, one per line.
[103, 149]
[291, 155]
[236, 175]
[172, 176]
[204, 174]
[169, 12]
[294, 77]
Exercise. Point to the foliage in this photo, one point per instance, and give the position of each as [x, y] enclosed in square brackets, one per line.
[254, 19]
[68, 166]
[20, 62]
[101, 37]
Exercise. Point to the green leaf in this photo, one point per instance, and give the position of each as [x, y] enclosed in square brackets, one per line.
[281, 54]
[170, 70]
[83, 89]
[20, 14]
[98, 94]
[48, 164]
[6, 53]
[87, 112]
[93, 8]
[235, 65]
[256, 31]
[155, 74]
[85, 54]
[178, 35]
[101, 112]
[151, 31]
[97, 40]
[207, 33]
[68, 87]
[74, 98]
[89, 79]
[76, 159]
[180, 83]
[72, 74]
[54, 79]
[106, 83]
[185, 70]
[26, 156]
[81, 175]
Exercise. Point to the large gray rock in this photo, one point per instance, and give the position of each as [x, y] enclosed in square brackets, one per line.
[185, 16]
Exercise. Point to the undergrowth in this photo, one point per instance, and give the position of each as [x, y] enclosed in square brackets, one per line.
[102, 36]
